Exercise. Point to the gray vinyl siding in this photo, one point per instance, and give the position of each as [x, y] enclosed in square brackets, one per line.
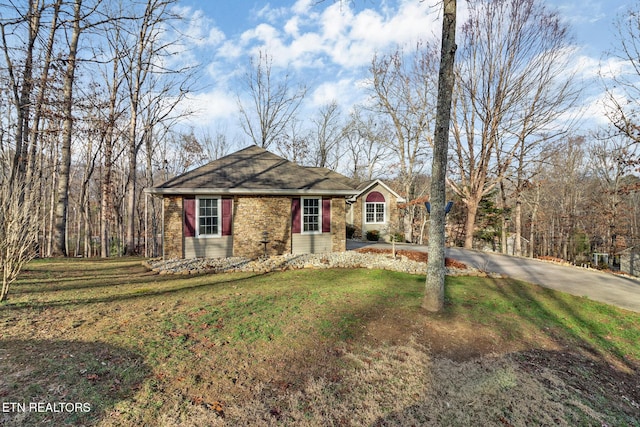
[311, 243]
[208, 247]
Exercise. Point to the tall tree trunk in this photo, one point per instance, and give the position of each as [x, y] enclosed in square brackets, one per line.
[470, 224]
[434, 286]
[532, 230]
[62, 206]
[517, 223]
[504, 244]
[130, 246]
[34, 135]
[21, 95]
[134, 147]
[149, 175]
[52, 205]
[86, 218]
[106, 201]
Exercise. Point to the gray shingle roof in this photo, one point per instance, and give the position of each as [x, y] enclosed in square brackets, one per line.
[335, 176]
[253, 170]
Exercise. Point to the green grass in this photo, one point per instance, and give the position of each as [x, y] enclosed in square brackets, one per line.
[521, 311]
[151, 349]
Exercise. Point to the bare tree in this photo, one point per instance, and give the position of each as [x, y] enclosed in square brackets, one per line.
[215, 146]
[563, 188]
[434, 285]
[326, 136]
[295, 146]
[27, 51]
[624, 92]
[62, 204]
[18, 227]
[155, 88]
[109, 113]
[21, 81]
[509, 91]
[366, 144]
[404, 91]
[611, 162]
[272, 103]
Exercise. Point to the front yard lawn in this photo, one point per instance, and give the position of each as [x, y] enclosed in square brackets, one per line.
[111, 344]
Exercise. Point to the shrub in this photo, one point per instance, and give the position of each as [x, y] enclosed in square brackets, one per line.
[373, 235]
[350, 231]
[397, 237]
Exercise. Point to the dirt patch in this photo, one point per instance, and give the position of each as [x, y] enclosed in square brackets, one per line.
[459, 341]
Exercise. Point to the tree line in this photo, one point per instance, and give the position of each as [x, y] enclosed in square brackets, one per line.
[92, 96]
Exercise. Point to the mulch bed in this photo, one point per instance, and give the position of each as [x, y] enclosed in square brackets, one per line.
[414, 256]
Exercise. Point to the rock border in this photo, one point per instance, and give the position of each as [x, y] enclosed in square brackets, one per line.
[348, 259]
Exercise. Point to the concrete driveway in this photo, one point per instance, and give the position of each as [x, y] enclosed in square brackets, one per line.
[612, 289]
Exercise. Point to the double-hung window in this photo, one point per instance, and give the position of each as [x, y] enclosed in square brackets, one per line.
[375, 213]
[209, 217]
[311, 215]
[374, 208]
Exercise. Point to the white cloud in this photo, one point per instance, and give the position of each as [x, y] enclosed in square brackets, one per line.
[210, 107]
[615, 68]
[199, 28]
[338, 33]
[327, 92]
[292, 27]
[270, 14]
[585, 11]
[302, 7]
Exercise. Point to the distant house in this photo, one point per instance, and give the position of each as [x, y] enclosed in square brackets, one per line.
[630, 261]
[253, 201]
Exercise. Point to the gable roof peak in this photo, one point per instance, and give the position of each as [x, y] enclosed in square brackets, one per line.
[252, 170]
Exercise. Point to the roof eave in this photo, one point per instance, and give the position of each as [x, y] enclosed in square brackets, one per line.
[398, 197]
[248, 191]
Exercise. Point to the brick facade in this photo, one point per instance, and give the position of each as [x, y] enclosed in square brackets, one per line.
[392, 215]
[255, 214]
[252, 215]
[173, 240]
[338, 225]
[357, 218]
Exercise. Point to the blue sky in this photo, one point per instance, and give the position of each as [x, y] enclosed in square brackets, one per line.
[328, 46]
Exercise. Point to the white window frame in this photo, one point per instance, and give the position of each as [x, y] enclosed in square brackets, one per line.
[302, 215]
[197, 216]
[375, 212]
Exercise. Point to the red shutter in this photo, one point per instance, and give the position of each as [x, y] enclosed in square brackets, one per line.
[326, 215]
[189, 207]
[295, 216]
[227, 212]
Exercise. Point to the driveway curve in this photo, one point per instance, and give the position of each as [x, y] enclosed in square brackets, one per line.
[620, 291]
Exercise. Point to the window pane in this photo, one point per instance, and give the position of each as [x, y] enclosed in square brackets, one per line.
[379, 212]
[208, 217]
[374, 212]
[311, 215]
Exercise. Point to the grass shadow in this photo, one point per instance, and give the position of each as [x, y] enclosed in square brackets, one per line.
[58, 382]
[180, 285]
